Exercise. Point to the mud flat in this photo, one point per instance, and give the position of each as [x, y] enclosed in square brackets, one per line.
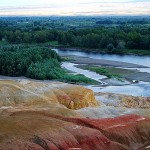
[102, 62]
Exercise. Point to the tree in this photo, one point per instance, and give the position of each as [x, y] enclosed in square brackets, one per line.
[40, 37]
[121, 45]
[104, 41]
[10, 36]
[27, 37]
[110, 47]
[134, 39]
[1, 35]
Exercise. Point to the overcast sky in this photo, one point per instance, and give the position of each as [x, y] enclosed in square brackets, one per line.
[74, 7]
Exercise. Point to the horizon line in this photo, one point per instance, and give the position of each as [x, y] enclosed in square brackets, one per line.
[108, 15]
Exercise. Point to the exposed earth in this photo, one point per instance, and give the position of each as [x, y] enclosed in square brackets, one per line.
[102, 62]
[44, 116]
[51, 115]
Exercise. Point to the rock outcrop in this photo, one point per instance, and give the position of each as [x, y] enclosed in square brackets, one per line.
[28, 93]
[121, 100]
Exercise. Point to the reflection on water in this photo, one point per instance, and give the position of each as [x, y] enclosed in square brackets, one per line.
[140, 60]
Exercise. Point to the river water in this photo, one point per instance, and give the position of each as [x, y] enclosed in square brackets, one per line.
[140, 60]
[137, 89]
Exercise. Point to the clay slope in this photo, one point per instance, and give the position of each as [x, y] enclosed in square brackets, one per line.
[24, 130]
[35, 115]
[121, 100]
[28, 93]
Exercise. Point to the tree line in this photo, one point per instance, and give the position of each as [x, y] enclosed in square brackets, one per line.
[114, 38]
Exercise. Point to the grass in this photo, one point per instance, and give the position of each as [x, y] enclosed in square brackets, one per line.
[68, 76]
[66, 59]
[110, 72]
[80, 79]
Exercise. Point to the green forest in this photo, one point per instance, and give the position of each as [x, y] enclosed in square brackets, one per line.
[36, 63]
[25, 43]
[132, 37]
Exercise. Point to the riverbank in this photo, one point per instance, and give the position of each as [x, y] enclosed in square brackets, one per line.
[101, 62]
[138, 88]
[135, 52]
[118, 73]
[128, 73]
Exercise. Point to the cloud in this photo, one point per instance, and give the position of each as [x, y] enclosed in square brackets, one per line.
[78, 7]
[140, 0]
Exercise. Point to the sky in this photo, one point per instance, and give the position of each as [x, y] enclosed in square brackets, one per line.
[73, 7]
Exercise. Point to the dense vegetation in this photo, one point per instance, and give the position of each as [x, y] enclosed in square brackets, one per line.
[23, 42]
[123, 36]
[35, 62]
[16, 60]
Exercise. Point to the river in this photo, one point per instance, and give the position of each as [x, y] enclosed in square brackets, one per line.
[140, 60]
[137, 89]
